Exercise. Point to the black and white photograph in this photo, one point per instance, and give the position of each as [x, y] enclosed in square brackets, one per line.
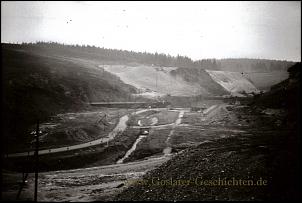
[150, 101]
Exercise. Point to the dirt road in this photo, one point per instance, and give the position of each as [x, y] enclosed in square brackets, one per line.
[168, 149]
[120, 127]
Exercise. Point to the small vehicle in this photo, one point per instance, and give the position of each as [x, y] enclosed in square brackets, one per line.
[144, 131]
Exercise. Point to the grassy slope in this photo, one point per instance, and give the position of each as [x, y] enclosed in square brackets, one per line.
[36, 86]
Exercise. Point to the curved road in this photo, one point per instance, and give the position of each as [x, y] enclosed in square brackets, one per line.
[120, 127]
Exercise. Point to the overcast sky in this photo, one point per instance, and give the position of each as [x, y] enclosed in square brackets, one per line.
[270, 30]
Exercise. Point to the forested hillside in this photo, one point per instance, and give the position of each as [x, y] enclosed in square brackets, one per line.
[104, 54]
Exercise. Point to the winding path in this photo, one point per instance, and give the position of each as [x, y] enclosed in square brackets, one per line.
[168, 149]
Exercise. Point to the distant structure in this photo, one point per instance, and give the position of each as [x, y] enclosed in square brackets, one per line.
[160, 104]
[198, 109]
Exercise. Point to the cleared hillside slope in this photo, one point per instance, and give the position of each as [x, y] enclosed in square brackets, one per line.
[157, 79]
[233, 82]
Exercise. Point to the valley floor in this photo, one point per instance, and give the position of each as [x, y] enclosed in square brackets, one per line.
[226, 142]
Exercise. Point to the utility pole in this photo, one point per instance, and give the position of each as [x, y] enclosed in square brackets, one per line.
[24, 173]
[36, 162]
[156, 79]
[24, 177]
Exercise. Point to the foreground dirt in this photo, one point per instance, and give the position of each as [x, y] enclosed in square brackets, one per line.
[86, 184]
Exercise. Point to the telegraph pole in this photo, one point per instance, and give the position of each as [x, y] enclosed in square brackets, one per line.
[156, 79]
[36, 162]
[24, 177]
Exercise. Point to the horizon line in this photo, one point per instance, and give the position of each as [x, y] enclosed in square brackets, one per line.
[166, 54]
